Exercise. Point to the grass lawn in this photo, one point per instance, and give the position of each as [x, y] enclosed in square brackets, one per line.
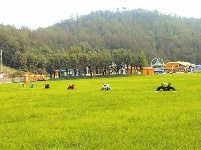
[131, 116]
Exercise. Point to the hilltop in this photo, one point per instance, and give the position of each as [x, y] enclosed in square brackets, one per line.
[96, 40]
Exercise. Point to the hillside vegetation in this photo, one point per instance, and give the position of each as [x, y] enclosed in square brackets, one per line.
[10, 72]
[126, 37]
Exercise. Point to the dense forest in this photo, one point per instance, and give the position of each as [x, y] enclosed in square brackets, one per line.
[124, 37]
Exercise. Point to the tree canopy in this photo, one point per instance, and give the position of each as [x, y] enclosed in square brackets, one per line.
[127, 37]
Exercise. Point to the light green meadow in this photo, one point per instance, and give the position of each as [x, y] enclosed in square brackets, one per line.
[130, 117]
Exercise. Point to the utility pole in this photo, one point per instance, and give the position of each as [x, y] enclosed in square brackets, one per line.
[1, 61]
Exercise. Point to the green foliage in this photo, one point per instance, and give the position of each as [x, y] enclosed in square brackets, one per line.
[12, 73]
[18, 73]
[131, 116]
[141, 34]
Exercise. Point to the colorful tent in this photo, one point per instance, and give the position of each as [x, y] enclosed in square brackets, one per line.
[157, 64]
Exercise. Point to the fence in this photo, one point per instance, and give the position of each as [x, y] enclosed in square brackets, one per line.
[6, 81]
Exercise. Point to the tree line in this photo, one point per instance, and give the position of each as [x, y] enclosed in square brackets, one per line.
[124, 37]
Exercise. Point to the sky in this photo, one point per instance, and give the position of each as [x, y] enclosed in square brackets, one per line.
[43, 13]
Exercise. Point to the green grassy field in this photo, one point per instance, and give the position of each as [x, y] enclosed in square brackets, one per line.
[131, 116]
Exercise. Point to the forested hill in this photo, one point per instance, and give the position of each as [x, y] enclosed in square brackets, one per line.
[166, 36]
[169, 37]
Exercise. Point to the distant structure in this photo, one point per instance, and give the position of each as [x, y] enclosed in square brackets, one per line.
[31, 78]
[158, 65]
[157, 62]
[179, 66]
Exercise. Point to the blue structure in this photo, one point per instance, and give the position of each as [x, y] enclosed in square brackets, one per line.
[159, 71]
[61, 73]
[198, 66]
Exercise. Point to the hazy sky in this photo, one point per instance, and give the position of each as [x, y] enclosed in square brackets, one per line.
[43, 13]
